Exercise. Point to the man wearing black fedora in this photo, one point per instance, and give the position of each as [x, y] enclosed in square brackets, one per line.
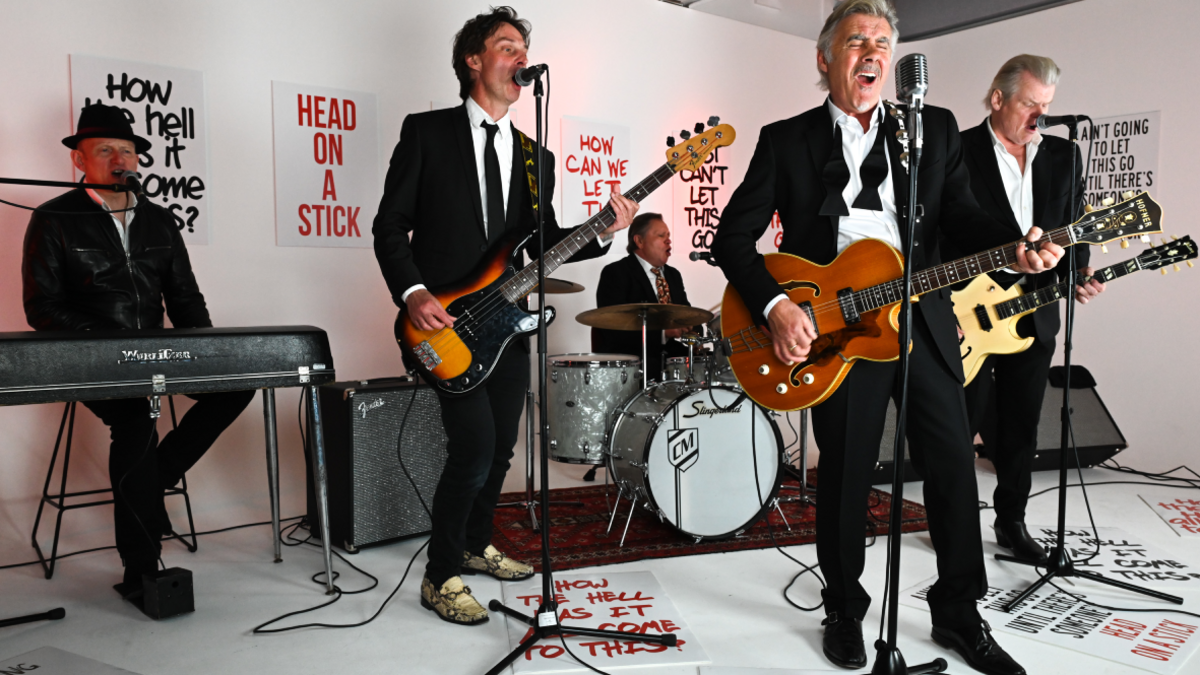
[105, 260]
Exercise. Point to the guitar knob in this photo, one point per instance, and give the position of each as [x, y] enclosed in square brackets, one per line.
[781, 388]
[670, 141]
[1124, 243]
[808, 378]
[699, 128]
[1107, 201]
[764, 369]
[1128, 194]
[1088, 208]
[714, 121]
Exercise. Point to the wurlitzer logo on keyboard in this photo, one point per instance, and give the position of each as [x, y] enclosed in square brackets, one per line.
[165, 354]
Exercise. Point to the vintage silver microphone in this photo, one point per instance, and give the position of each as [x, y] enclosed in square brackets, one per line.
[912, 83]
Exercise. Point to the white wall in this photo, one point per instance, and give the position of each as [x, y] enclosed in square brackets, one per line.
[641, 63]
[650, 66]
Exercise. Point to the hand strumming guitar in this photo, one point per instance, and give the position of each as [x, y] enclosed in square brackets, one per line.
[426, 312]
[791, 331]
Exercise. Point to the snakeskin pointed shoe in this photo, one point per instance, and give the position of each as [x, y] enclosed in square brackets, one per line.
[453, 602]
[496, 564]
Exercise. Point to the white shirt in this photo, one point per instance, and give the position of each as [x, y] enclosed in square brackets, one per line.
[122, 220]
[861, 223]
[1018, 185]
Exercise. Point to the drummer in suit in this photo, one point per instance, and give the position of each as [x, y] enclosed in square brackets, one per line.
[642, 276]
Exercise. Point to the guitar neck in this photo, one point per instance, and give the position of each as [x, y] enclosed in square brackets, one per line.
[940, 276]
[526, 280]
[1028, 302]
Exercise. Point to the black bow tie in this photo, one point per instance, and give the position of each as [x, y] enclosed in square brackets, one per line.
[873, 171]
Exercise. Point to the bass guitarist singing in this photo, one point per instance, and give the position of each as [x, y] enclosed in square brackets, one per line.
[835, 177]
[458, 182]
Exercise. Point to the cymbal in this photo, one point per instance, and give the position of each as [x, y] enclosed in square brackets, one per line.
[658, 316]
[559, 286]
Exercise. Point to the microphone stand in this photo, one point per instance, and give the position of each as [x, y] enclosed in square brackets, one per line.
[52, 615]
[1060, 563]
[116, 187]
[545, 623]
[888, 659]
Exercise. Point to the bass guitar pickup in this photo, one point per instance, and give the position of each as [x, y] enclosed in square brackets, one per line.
[427, 356]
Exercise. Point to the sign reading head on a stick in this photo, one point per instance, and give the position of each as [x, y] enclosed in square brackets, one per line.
[630, 602]
[326, 166]
[166, 107]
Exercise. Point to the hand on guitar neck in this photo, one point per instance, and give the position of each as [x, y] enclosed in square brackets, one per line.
[1089, 289]
[1038, 259]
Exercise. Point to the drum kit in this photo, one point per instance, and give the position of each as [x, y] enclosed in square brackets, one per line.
[688, 446]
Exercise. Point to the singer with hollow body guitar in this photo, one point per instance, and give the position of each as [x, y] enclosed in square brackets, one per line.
[834, 176]
[1024, 179]
[104, 260]
[458, 183]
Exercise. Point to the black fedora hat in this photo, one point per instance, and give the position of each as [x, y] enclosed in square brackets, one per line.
[105, 121]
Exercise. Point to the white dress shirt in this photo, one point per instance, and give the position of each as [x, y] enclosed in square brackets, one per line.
[122, 220]
[861, 223]
[1018, 185]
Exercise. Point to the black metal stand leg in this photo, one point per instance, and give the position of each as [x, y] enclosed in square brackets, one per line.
[57, 501]
[269, 424]
[317, 448]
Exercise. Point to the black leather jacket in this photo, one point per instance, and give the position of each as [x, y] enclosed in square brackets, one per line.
[77, 276]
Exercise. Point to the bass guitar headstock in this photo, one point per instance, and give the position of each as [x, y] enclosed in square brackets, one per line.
[1136, 216]
[691, 153]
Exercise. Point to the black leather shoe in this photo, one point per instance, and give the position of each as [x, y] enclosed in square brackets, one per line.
[843, 641]
[1013, 535]
[979, 649]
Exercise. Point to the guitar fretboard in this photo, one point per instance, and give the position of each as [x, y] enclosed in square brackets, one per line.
[525, 280]
[1044, 296]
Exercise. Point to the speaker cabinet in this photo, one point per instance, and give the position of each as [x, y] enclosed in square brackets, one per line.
[371, 500]
[1096, 433]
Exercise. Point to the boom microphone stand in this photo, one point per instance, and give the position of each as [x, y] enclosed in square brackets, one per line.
[1060, 564]
[545, 624]
[912, 81]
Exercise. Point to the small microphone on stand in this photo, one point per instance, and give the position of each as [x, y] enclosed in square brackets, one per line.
[132, 181]
[706, 256]
[1047, 121]
[527, 76]
[912, 79]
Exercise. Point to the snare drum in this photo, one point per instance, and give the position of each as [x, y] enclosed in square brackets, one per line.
[700, 367]
[582, 393]
[706, 460]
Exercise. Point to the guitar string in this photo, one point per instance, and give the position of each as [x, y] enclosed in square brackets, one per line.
[494, 302]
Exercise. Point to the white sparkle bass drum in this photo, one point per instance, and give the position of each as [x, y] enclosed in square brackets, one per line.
[706, 460]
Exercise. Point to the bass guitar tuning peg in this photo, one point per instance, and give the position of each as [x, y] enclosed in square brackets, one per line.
[685, 134]
[670, 141]
[714, 121]
[699, 128]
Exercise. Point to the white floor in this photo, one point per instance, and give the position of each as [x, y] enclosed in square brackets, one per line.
[732, 601]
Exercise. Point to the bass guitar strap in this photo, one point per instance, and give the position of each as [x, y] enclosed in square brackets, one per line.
[527, 153]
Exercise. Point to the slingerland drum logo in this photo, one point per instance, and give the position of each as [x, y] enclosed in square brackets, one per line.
[702, 410]
[157, 356]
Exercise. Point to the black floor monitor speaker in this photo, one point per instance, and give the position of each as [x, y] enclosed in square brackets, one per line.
[1096, 434]
[371, 500]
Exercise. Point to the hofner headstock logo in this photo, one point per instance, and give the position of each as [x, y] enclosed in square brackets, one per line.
[364, 407]
[165, 354]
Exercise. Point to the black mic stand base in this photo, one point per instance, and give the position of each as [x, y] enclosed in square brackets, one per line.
[557, 629]
[889, 661]
[1063, 567]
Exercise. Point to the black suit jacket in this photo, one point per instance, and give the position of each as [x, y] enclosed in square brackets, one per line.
[625, 281]
[1052, 200]
[785, 176]
[432, 193]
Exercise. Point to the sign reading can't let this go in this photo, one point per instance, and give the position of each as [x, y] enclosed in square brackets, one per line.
[326, 166]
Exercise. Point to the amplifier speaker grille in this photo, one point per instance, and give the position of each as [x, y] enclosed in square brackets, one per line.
[371, 501]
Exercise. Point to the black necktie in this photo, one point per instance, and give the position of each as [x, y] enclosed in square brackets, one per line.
[495, 193]
[873, 171]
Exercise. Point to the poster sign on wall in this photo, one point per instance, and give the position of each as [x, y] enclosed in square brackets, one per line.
[326, 166]
[595, 161]
[699, 197]
[1124, 155]
[166, 106]
[629, 602]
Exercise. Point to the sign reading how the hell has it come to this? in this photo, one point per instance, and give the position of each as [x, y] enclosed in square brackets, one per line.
[1124, 155]
[326, 166]
[166, 107]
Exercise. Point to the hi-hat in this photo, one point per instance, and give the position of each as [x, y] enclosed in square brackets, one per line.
[560, 286]
[657, 316]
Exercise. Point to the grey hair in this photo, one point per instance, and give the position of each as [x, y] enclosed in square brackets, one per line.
[1008, 79]
[878, 8]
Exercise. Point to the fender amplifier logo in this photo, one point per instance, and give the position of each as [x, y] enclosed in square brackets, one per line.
[165, 354]
[365, 407]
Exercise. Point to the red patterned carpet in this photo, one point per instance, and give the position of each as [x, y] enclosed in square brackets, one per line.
[578, 534]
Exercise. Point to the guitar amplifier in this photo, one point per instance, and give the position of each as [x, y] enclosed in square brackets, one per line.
[371, 500]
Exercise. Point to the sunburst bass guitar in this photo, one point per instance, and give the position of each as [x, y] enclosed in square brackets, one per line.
[988, 313]
[487, 317]
[854, 304]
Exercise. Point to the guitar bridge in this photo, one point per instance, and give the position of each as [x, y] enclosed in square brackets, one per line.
[427, 356]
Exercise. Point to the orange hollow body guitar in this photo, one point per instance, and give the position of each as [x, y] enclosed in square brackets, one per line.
[487, 317]
[854, 303]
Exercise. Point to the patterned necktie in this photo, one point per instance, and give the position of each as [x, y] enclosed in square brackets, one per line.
[660, 285]
[873, 171]
[495, 193]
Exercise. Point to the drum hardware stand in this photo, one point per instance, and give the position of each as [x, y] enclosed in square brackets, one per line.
[545, 623]
[1060, 564]
[800, 474]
